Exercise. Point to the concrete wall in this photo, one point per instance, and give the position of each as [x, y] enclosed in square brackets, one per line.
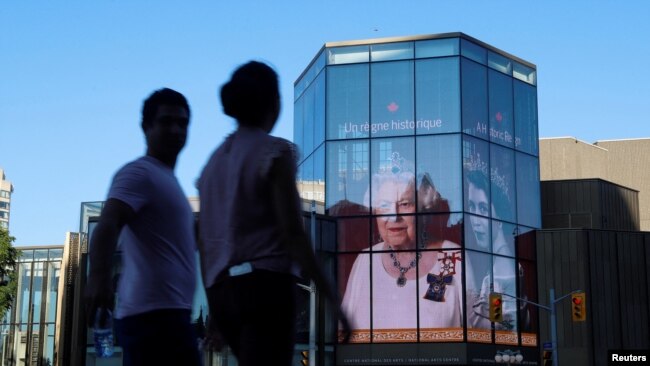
[624, 162]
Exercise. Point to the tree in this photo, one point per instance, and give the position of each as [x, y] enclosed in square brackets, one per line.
[8, 275]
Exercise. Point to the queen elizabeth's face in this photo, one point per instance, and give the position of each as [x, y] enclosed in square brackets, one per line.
[395, 199]
[478, 205]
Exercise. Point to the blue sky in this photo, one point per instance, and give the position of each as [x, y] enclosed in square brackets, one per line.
[73, 76]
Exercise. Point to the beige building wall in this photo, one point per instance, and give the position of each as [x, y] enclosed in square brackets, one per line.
[5, 199]
[624, 162]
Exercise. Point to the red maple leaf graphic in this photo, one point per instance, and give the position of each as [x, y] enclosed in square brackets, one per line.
[392, 107]
[499, 117]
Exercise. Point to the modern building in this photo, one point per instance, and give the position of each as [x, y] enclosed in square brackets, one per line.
[426, 149]
[623, 162]
[28, 332]
[6, 189]
[591, 242]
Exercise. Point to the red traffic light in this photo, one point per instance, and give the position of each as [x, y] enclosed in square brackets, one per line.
[577, 300]
[496, 301]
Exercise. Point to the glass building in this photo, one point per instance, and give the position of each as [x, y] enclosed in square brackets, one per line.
[27, 332]
[425, 151]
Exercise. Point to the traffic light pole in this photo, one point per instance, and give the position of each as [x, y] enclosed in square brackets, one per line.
[553, 312]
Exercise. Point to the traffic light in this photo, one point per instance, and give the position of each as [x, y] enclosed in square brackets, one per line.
[305, 358]
[547, 357]
[578, 307]
[496, 311]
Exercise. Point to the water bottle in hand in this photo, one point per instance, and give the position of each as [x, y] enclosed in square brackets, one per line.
[103, 334]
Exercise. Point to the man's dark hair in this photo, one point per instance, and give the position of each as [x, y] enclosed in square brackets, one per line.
[251, 92]
[164, 96]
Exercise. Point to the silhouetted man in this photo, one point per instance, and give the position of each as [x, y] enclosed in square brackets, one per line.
[148, 212]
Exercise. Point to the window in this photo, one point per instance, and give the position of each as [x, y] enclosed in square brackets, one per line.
[525, 110]
[5, 194]
[4, 205]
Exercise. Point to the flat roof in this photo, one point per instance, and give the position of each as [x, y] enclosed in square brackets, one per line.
[414, 38]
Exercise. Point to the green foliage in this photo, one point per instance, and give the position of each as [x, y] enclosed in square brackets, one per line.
[8, 271]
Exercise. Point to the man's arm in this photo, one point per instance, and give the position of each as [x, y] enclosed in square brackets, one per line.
[99, 288]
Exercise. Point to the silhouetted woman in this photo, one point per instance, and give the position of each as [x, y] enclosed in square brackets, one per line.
[250, 232]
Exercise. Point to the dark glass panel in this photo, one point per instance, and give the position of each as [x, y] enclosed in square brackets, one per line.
[528, 314]
[500, 109]
[348, 93]
[528, 192]
[353, 234]
[437, 91]
[525, 107]
[439, 173]
[391, 99]
[474, 102]
[526, 243]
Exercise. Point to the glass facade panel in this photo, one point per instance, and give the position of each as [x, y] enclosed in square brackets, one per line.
[525, 109]
[528, 314]
[353, 234]
[391, 51]
[354, 285]
[528, 192]
[500, 109]
[474, 99]
[476, 185]
[505, 282]
[298, 127]
[473, 51]
[348, 96]
[439, 231]
[308, 120]
[393, 175]
[306, 185]
[439, 173]
[347, 55]
[478, 267]
[391, 96]
[319, 176]
[437, 48]
[502, 179]
[319, 110]
[437, 91]
[347, 177]
[499, 63]
[394, 305]
[524, 73]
